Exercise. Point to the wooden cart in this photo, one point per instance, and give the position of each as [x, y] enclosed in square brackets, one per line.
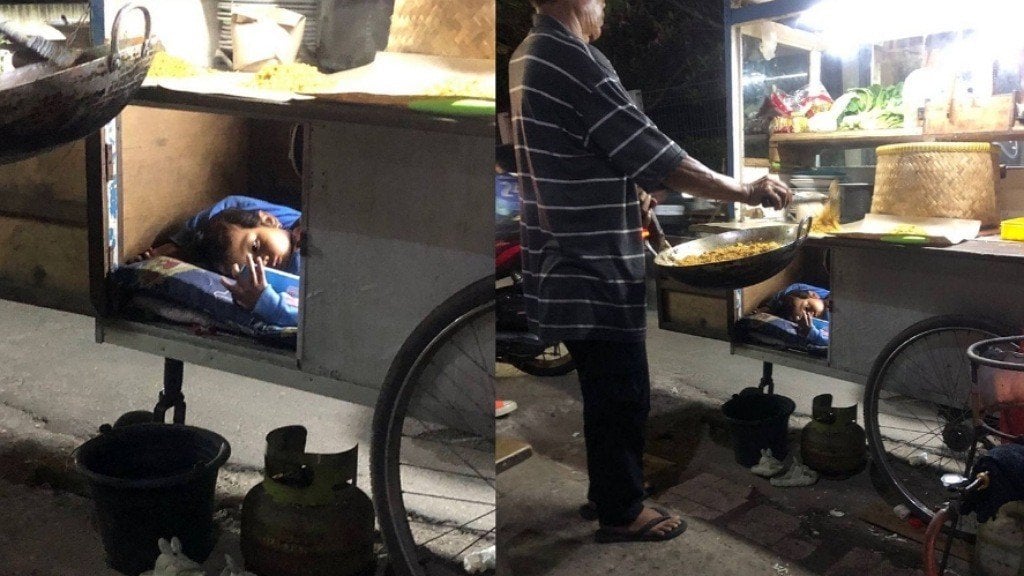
[396, 304]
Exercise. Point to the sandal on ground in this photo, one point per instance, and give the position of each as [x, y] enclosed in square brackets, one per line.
[645, 533]
[768, 466]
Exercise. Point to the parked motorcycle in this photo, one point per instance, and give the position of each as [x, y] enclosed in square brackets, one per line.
[514, 343]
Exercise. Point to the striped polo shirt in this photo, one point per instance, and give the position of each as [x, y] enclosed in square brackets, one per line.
[581, 144]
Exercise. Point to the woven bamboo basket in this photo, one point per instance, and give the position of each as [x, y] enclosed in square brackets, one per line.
[937, 180]
[461, 29]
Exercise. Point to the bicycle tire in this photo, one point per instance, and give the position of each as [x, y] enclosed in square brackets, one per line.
[559, 363]
[930, 418]
[467, 411]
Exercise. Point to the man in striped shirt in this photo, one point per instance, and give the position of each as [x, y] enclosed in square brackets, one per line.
[581, 146]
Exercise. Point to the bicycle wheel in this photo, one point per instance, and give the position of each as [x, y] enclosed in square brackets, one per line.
[432, 452]
[554, 361]
[917, 408]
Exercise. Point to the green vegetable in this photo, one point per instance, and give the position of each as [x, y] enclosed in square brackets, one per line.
[873, 108]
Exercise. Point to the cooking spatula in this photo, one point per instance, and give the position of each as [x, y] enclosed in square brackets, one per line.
[59, 55]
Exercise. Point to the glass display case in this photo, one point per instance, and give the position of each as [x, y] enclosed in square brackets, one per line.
[820, 84]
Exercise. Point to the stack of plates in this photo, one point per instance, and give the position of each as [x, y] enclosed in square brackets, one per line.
[817, 182]
[810, 193]
[308, 8]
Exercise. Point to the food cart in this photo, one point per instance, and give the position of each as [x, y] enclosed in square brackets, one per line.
[904, 310]
[396, 291]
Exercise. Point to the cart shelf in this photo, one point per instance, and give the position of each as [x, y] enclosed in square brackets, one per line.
[798, 149]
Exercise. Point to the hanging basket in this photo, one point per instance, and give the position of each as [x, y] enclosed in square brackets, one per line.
[937, 180]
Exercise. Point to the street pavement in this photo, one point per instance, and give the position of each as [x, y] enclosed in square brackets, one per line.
[738, 522]
[57, 386]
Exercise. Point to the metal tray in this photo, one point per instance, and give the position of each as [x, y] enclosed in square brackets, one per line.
[741, 272]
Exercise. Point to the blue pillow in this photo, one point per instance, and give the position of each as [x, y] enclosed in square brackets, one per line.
[195, 288]
[765, 328]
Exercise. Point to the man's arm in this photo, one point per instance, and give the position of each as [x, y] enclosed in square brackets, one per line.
[695, 178]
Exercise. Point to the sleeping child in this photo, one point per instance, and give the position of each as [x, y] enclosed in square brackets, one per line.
[809, 307]
[238, 237]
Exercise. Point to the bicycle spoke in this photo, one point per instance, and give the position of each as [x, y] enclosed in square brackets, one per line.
[445, 497]
[919, 404]
[429, 469]
[440, 455]
[488, 513]
[473, 543]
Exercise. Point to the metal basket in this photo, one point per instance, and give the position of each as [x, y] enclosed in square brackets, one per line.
[937, 180]
[43, 106]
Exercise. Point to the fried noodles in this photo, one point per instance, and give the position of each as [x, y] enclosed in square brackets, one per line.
[726, 253]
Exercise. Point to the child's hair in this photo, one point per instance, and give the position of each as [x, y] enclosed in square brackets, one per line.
[212, 242]
[783, 306]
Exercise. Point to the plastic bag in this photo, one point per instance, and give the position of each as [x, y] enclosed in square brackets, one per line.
[813, 99]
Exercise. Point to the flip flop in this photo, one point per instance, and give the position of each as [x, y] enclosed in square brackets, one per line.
[642, 534]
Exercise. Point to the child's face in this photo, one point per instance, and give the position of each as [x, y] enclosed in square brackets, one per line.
[806, 302]
[268, 241]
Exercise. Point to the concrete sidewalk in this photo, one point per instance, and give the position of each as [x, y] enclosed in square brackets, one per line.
[57, 386]
[738, 522]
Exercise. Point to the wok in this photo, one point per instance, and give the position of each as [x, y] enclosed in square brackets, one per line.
[44, 105]
[742, 271]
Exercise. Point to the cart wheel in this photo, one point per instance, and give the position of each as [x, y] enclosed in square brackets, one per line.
[432, 452]
[555, 361]
[917, 409]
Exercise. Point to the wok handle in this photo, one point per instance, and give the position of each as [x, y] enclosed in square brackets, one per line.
[114, 59]
[803, 229]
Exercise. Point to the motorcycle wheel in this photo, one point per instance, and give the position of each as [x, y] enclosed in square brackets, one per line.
[554, 361]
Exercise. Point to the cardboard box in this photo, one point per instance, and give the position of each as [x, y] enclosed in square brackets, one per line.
[989, 114]
[264, 34]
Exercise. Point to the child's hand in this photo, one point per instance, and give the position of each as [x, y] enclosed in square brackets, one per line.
[804, 323]
[166, 249]
[248, 287]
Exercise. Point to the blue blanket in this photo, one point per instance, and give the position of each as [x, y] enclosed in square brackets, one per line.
[764, 328]
[195, 288]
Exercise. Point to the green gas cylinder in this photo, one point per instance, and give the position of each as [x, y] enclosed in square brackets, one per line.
[832, 443]
[307, 517]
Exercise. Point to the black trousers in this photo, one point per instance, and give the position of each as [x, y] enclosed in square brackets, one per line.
[616, 389]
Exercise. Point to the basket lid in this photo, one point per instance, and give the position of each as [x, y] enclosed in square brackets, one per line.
[898, 149]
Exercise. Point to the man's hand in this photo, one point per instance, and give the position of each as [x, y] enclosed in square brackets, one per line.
[647, 204]
[768, 192]
[248, 286]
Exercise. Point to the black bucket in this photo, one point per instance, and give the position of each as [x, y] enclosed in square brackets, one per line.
[758, 421]
[152, 481]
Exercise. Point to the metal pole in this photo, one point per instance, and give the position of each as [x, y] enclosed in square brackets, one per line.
[171, 395]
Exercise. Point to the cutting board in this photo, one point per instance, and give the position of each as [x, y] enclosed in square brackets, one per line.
[393, 74]
[935, 231]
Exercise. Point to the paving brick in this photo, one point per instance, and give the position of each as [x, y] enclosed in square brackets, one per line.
[856, 562]
[694, 510]
[712, 492]
[887, 569]
[795, 548]
[765, 525]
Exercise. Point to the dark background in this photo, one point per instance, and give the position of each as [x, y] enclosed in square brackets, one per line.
[670, 50]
